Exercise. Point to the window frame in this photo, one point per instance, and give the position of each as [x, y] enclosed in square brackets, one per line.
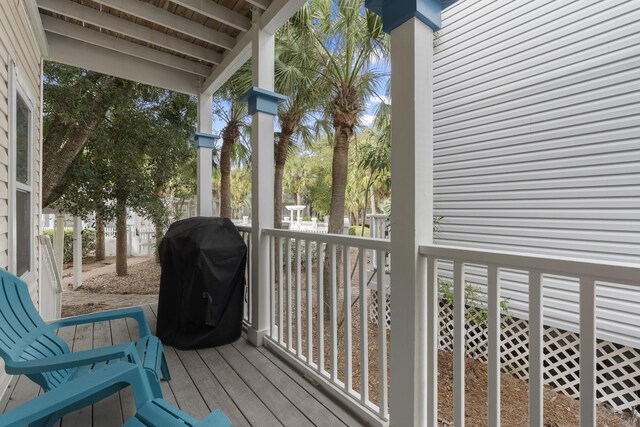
[17, 86]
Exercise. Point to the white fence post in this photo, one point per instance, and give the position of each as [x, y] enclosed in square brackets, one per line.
[77, 252]
[58, 241]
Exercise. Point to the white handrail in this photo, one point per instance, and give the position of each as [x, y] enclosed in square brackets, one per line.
[51, 281]
[536, 266]
[298, 296]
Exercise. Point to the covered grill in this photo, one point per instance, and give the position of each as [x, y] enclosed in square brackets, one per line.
[202, 284]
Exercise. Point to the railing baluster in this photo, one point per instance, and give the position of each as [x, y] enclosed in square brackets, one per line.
[364, 331]
[320, 307]
[346, 269]
[272, 286]
[587, 352]
[333, 311]
[459, 348]
[280, 293]
[298, 301]
[309, 284]
[536, 401]
[249, 293]
[382, 335]
[433, 338]
[493, 325]
[289, 299]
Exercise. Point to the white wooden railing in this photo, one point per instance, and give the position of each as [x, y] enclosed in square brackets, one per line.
[245, 232]
[586, 272]
[50, 282]
[301, 264]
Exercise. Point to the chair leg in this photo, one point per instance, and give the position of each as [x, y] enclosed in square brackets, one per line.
[165, 368]
[154, 382]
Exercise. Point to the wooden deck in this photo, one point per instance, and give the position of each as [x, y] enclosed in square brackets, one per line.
[251, 385]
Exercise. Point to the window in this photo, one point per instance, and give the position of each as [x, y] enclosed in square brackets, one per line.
[21, 197]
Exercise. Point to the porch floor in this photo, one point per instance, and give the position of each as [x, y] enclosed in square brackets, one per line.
[251, 385]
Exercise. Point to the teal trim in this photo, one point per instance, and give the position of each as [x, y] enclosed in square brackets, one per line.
[263, 101]
[205, 140]
[396, 12]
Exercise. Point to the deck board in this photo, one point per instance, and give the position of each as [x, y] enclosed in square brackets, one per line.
[252, 386]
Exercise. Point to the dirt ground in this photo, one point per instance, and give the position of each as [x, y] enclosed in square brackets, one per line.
[142, 284]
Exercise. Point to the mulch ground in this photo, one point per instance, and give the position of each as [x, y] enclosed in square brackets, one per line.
[559, 410]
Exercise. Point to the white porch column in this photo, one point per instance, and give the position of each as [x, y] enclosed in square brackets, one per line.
[263, 106]
[77, 252]
[205, 155]
[58, 241]
[411, 25]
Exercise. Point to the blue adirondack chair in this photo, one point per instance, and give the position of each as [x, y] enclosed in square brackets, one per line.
[48, 408]
[30, 346]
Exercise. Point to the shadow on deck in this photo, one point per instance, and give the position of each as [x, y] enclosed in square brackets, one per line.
[251, 385]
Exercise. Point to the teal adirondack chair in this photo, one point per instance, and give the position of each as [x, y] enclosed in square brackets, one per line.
[48, 408]
[30, 346]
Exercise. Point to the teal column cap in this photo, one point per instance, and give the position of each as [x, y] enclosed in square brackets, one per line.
[263, 101]
[205, 140]
[396, 12]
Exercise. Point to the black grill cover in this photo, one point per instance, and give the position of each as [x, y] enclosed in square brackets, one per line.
[202, 284]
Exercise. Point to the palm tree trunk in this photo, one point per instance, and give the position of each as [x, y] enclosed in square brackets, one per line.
[100, 245]
[281, 158]
[339, 173]
[225, 177]
[121, 238]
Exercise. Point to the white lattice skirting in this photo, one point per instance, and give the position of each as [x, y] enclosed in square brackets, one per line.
[618, 367]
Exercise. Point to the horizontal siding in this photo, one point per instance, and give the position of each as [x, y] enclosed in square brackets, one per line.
[18, 43]
[537, 144]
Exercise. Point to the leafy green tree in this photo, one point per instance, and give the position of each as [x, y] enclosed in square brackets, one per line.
[76, 101]
[240, 190]
[132, 154]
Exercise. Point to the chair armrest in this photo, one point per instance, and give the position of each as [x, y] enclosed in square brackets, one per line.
[65, 398]
[73, 360]
[136, 313]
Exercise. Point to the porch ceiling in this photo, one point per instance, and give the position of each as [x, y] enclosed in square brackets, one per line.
[190, 46]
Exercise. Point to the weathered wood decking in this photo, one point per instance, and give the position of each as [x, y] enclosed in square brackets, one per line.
[251, 385]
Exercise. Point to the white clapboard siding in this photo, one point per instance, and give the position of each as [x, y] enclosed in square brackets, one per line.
[18, 43]
[537, 144]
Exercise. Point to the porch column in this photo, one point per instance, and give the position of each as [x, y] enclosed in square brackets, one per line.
[411, 25]
[205, 155]
[77, 252]
[263, 106]
[58, 241]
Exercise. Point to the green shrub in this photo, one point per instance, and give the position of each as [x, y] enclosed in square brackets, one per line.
[88, 243]
[356, 230]
[476, 311]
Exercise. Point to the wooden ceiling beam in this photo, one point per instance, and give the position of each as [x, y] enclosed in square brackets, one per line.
[77, 32]
[260, 4]
[84, 55]
[129, 29]
[164, 18]
[217, 12]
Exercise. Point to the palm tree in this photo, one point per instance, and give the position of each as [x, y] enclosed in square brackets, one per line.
[233, 113]
[352, 42]
[296, 76]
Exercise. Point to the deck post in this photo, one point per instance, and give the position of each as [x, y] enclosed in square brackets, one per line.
[263, 106]
[205, 156]
[411, 24]
[58, 241]
[77, 252]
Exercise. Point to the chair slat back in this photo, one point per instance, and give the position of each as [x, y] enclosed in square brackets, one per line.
[23, 333]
